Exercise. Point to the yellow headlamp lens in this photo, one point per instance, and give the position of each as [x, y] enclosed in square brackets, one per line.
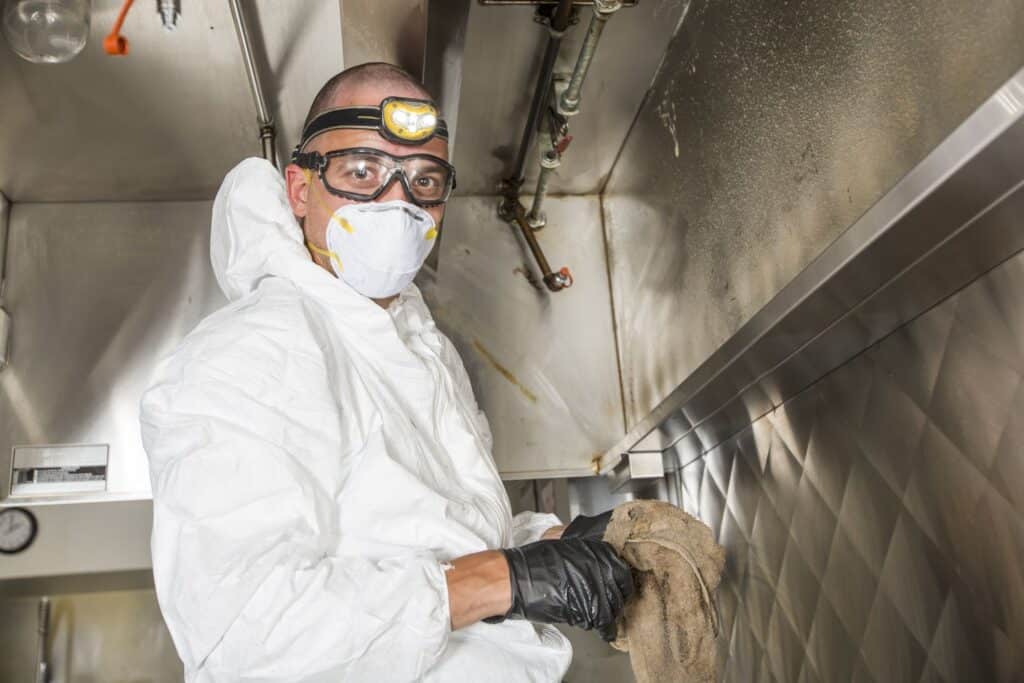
[409, 119]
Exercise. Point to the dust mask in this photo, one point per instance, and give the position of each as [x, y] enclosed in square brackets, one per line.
[377, 248]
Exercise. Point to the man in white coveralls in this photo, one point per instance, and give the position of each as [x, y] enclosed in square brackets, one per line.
[326, 507]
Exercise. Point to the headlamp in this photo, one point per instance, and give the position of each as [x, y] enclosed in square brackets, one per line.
[402, 120]
[408, 121]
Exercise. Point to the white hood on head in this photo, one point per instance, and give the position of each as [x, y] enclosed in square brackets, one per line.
[253, 233]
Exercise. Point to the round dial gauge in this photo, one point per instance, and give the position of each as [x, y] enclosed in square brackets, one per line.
[17, 530]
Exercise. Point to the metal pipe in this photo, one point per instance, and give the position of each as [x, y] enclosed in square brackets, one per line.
[569, 102]
[43, 628]
[263, 116]
[554, 281]
[559, 23]
[5, 317]
[5, 226]
[549, 161]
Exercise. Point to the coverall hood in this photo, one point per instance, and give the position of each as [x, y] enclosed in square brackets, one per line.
[258, 235]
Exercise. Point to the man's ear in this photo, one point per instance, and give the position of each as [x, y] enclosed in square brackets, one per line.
[296, 182]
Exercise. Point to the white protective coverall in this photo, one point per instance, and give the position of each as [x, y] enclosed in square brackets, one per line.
[314, 459]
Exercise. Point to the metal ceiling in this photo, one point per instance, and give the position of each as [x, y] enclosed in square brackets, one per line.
[169, 119]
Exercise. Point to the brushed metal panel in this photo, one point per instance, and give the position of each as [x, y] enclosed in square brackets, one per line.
[99, 293]
[502, 55]
[113, 636]
[865, 571]
[393, 31]
[543, 367]
[84, 538]
[955, 216]
[769, 130]
[171, 118]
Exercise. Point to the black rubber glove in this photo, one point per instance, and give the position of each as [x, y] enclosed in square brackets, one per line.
[574, 581]
[591, 528]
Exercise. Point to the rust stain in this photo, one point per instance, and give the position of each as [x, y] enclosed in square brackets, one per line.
[503, 371]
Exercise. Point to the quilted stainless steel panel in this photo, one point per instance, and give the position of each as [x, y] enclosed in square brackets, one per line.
[874, 524]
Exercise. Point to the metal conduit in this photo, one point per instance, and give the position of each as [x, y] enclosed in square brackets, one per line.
[510, 209]
[559, 23]
[263, 116]
[569, 102]
[567, 105]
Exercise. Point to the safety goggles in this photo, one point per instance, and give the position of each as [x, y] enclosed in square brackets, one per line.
[364, 173]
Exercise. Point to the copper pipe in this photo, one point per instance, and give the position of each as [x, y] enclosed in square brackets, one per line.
[554, 281]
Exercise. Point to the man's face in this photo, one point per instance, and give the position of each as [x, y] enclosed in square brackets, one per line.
[311, 201]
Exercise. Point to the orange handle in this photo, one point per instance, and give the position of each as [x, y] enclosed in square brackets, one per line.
[114, 43]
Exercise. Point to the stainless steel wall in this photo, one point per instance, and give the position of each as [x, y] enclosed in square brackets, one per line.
[543, 366]
[769, 130]
[874, 524]
[98, 293]
[106, 637]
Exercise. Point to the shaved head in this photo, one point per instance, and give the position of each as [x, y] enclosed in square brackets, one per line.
[342, 89]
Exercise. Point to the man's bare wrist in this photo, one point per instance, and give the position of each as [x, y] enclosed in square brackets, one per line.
[478, 587]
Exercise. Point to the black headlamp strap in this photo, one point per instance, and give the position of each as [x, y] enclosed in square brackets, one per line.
[366, 118]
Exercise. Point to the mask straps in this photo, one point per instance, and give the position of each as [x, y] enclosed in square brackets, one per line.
[341, 222]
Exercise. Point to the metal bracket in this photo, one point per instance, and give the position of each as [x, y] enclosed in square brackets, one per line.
[636, 469]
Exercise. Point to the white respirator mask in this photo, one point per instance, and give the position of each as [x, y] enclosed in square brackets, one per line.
[378, 247]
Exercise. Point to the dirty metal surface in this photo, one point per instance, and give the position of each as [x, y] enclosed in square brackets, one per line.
[542, 366]
[770, 130]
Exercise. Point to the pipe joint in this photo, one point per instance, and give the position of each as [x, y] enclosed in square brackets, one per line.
[556, 282]
[606, 7]
[550, 159]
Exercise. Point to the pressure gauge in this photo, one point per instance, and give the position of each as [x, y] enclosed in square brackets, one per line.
[17, 530]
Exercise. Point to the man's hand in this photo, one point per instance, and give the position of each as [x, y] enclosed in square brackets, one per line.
[574, 581]
[591, 528]
[554, 533]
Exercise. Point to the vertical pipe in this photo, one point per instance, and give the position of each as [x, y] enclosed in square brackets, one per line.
[559, 23]
[548, 163]
[569, 102]
[43, 629]
[5, 226]
[265, 120]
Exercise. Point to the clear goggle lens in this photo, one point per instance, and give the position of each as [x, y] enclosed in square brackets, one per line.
[367, 172]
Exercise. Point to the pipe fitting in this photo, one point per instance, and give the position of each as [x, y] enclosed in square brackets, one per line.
[550, 159]
[556, 282]
[607, 6]
[169, 11]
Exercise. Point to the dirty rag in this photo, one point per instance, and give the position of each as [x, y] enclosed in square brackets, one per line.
[670, 624]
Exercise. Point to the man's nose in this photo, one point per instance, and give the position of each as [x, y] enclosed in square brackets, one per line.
[395, 190]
